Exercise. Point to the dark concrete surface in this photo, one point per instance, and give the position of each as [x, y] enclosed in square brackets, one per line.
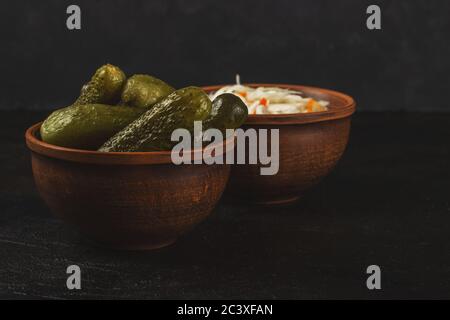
[386, 203]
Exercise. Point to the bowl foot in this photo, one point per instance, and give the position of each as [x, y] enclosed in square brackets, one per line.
[260, 202]
[277, 202]
[232, 199]
[137, 246]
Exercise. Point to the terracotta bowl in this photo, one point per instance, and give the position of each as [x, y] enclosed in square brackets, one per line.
[130, 200]
[310, 145]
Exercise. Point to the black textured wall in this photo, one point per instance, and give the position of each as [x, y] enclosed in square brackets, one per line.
[404, 66]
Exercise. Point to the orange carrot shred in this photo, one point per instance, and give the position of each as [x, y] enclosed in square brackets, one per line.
[310, 104]
[263, 101]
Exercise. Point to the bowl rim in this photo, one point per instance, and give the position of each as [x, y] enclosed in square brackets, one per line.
[345, 109]
[110, 158]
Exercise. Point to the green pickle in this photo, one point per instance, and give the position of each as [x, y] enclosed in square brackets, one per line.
[86, 126]
[105, 86]
[149, 111]
[143, 91]
[228, 112]
[153, 130]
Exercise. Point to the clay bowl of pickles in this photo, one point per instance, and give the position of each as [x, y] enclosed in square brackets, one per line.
[310, 145]
[108, 170]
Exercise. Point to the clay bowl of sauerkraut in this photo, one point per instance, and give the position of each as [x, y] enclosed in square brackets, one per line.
[314, 127]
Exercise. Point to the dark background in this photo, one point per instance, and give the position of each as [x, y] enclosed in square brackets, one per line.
[386, 202]
[324, 43]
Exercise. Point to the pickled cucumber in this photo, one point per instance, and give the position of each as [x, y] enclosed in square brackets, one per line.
[143, 91]
[86, 126]
[105, 86]
[228, 112]
[153, 129]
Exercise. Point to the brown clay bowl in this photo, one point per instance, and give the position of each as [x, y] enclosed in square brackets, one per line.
[310, 145]
[129, 200]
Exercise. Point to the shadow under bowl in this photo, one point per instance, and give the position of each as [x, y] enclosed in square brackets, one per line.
[310, 145]
[125, 200]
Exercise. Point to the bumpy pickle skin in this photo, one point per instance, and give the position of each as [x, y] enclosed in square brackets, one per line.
[143, 91]
[228, 112]
[153, 130]
[105, 86]
[86, 126]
